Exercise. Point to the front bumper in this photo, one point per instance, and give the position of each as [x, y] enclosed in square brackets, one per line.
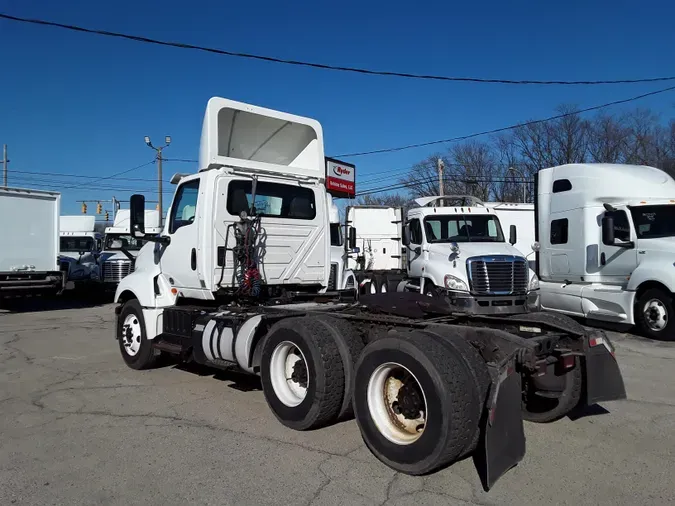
[463, 302]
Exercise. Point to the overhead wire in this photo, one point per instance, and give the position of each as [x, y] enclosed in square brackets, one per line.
[507, 128]
[324, 66]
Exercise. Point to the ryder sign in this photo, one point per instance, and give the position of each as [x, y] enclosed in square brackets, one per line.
[340, 178]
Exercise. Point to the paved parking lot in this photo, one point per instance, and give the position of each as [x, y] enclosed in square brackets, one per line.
[78, 427]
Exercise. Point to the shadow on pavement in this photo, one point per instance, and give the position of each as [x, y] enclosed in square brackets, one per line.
[68, 300]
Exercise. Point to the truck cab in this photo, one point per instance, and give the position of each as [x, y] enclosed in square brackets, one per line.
[340, 276]
[121, 248]
[80, 249]
[607, 240]
[461, 253]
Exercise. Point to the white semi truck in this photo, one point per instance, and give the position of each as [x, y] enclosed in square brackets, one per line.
[607, 242]
[29, 256]
[442, 248]
[121, 247]
[341, 278]
[80, 250]
[239, 277]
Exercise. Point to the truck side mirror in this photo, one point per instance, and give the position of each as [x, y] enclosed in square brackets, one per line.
[608, 230]
[513, 235]
[406, 235]
[137, 215]
[351, 238]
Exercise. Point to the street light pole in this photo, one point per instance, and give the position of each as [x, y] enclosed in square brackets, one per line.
[167, 141]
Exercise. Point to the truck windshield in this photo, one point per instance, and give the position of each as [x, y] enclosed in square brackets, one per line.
[77, 244]
[652, 222]
[463, 228]
[129, 242]
[335, 234]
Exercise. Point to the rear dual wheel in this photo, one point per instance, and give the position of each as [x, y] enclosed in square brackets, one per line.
[416, 402]
[379, 283]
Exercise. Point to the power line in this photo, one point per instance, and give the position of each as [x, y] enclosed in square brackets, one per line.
[324, 66]
[65, 174]
[511, 127]
[114, 175]
[434, 180]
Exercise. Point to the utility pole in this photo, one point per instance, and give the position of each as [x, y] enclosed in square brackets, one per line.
[5, 161]
[522, 176]
[441, 166]
[167, 141]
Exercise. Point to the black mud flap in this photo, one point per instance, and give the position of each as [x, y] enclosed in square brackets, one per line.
[503, 438]
[603, 377]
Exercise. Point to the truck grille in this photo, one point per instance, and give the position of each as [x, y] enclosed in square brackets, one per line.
[498, 275]
[113, 272]
[332, 277]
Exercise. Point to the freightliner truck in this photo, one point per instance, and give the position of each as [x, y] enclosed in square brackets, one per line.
[239, 278]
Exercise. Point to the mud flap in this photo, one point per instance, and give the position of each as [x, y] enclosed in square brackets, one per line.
[502, 444]
[603, 376]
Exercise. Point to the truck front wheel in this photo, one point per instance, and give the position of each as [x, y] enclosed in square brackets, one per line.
[137, 351]
[654, 314]
[415, 402]
[302, 373]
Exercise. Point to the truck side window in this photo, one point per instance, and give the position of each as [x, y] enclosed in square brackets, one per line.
[184, 205]
[621, 225]
[561, 185]
[559, 231]
[415, 232]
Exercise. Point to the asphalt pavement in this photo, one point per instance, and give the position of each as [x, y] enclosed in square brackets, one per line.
[79, 427]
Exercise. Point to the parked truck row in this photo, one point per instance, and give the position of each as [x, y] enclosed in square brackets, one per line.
[245, 274]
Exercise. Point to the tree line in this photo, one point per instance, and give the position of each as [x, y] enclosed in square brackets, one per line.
[502, 167]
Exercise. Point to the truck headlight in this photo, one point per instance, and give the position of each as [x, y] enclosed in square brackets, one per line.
[456, 284]
[534, 283]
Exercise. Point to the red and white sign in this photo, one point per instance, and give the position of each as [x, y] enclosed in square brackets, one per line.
[340, 178]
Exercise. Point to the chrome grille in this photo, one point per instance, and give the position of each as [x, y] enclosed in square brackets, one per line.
[332, 277]
[498, 275]
[113, 272]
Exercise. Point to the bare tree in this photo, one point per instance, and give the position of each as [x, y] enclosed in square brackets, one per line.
[389, 200]
[607, 140]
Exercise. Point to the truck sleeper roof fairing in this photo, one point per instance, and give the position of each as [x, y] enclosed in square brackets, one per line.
[246, 136]
[609, 183]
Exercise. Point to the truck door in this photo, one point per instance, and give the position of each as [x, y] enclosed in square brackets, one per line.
[616, 263]
[414, 254]
[179, 260]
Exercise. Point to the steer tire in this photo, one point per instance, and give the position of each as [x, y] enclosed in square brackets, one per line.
[479, 373]
[146, 356]
[350, 346]
[448, 391]
[662, 300]
[325, 379]
[543, 410]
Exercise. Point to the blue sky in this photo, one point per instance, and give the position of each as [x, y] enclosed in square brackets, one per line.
[80, 104]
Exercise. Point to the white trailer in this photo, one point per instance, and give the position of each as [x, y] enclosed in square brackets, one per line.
[606, 234]
[29, 256]
[80, 249]
[239, 277]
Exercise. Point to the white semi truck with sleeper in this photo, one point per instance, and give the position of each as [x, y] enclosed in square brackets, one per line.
[239, 277]
[80, 250]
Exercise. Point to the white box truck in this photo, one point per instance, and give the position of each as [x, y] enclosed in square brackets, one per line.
[239, 278]
[29, 256]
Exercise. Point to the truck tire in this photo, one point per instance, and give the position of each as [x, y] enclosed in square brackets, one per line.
[544, 410]
[302, 374]
[382, 283]
[350, 345]
[654, 315]
[430, 289]
[479, 373]
[557, 319]
[414, 401]
[137, 351]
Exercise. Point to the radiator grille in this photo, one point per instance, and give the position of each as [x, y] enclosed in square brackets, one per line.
[498, 275]
[113, 272]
